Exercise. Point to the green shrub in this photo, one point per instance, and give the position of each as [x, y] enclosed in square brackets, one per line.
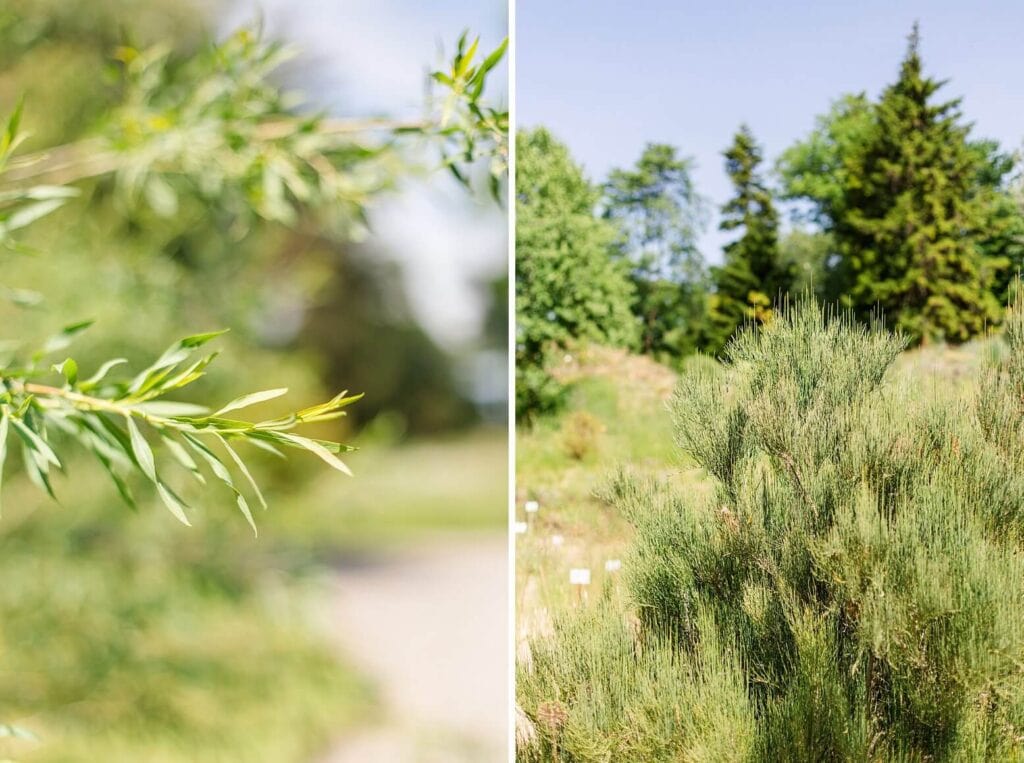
[568, 285]
[858, 565]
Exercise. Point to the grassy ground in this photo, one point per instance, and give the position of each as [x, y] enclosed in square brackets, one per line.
[128, 637]
[616, 416]
[401, 493]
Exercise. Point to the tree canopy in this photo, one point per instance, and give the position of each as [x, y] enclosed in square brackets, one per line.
[659, 214]
[568, 287]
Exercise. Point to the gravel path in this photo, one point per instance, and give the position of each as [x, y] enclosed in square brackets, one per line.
[430, 626]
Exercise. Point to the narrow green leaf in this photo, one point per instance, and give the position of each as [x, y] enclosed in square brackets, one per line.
[172, 502]
[252, 399]
[173, 355]
[68, 368]
[467, 59]
[100, 374]
[222, 473]
[319, 450]
[267, 447]
[496, 55]
[143, 453]
[339, 401]
[96, 446]
[36, 444]
[244, 470]
[198, 340]
[113, 435]
[189, 375]
[216, 465]
[13, 124]
[246, 512]
[62, 339]
[171, 408]
[35, 471]
[178, 451]
[29, 213]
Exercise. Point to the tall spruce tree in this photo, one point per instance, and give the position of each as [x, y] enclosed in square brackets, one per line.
[753, 274]
[909, 234]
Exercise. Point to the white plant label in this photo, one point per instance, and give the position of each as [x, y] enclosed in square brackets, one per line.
[521, 528]
[579, 576]
[613, 565]
[557, 540]
[532, 507]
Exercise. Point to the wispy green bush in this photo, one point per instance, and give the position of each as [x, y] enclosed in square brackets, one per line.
[856, 571]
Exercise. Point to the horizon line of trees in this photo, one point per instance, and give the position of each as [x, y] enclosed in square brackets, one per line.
[898, 210]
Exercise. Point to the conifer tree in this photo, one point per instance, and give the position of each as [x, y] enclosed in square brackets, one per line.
[752, 275]
[909, 232]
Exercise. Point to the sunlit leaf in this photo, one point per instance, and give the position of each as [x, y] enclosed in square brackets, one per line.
[176, 506]
[252, 399]
[64, 338]
[140, 448]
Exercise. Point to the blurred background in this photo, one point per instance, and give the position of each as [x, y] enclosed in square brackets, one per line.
[368, 620]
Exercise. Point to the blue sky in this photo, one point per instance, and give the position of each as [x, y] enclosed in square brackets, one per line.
[607, 77]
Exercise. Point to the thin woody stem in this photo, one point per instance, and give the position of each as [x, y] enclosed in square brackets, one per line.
[85, 401]
[92, 157]
[78, 400]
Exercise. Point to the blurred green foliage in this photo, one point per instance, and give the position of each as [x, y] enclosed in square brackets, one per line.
[124, 636]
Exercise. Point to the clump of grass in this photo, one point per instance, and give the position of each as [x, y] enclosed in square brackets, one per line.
[851, 589]
[674, 706]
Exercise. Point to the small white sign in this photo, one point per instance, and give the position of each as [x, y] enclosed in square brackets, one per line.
[613, 565]
[532, 507]
[580, 576]
[557, 540]
[521, 527]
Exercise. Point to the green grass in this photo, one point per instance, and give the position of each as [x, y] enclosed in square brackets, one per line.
[401, 493]
[635, 428]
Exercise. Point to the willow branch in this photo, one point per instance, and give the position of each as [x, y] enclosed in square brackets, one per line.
[92, 157]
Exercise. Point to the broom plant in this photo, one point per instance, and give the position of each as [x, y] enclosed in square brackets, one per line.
[851, 589]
